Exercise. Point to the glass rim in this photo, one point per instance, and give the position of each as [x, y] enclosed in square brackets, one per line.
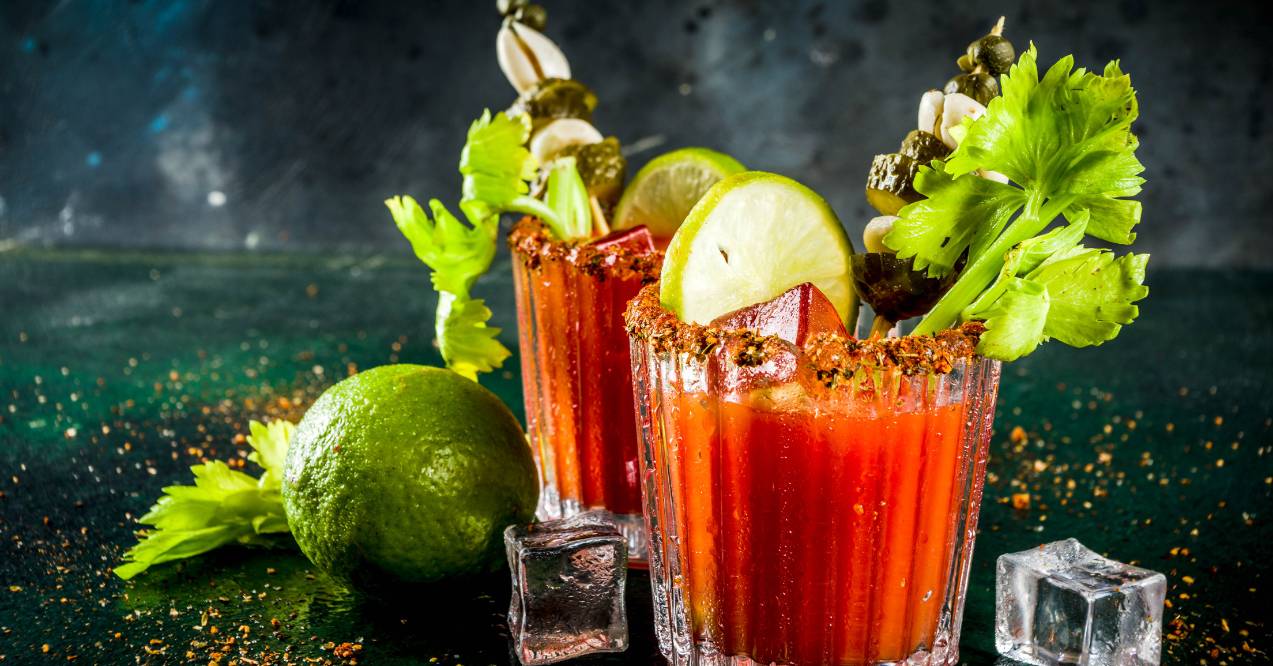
[834, 357]
[531, 242]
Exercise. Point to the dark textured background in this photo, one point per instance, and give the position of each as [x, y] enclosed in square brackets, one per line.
[119, 120]
[120, 368]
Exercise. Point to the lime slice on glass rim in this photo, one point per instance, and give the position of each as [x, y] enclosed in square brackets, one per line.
[668, 186]
[753, 236]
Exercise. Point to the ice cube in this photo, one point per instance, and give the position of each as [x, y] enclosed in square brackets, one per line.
[793, 315]
[1061, 603]
[568, 580]
[637, 240]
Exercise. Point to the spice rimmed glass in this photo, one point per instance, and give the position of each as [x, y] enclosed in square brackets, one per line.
[804, 514]
[576, 374]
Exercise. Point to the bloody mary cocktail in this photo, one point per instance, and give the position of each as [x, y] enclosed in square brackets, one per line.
[576, 374]
[808, 505]
[543, 158]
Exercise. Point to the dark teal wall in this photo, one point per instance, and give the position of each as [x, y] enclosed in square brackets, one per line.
[118, 119]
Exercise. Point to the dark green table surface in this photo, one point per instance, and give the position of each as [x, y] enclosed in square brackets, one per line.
[118, 371]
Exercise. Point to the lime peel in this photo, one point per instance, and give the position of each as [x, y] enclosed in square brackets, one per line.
[668, 186]
[407, 474]
[751, 237]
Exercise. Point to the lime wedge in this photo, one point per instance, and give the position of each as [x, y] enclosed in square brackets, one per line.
[668, 186]
[753, 236]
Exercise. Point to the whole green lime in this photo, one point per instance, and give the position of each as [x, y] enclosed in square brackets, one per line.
[407, 474]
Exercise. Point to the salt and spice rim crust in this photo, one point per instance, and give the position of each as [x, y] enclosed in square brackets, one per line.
[833, 357]
[533, 244]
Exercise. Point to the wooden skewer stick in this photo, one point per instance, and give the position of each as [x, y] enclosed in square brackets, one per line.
[998, 29]
[880, 327]
[598, 217]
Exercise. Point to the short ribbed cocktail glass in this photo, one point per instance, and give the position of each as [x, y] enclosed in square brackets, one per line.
[808, 506]
[576, 373]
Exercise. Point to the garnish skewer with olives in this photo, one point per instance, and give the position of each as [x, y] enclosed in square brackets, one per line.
[560, 109]
[890, 285]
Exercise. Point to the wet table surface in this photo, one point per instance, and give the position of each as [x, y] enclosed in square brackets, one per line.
[118, 371]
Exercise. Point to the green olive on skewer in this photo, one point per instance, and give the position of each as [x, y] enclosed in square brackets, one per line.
[985, 59]
[889, 284]
[975, 84]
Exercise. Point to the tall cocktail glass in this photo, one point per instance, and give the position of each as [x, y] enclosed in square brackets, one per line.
[812, 505]
[576, 373]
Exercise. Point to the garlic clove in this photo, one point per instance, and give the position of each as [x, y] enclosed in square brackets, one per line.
[876, 230]
[560, 134]
[513, 61]
[552, 62]
[527, 57]
[956, 107]
[930, 108]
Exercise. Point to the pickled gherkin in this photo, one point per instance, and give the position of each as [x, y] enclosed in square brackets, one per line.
[551, 99]
[602, 167]
[892, 286]
[923, 147]
[890, 185]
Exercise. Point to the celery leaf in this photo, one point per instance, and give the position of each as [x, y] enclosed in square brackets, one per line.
[1053, 287]
[959, 214]
[1064, 141]
[223, 506]
[497, 168]
[457, 254]
[467, 344]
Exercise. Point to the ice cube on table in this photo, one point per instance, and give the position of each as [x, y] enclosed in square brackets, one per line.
[1061, 603]
[568, 580]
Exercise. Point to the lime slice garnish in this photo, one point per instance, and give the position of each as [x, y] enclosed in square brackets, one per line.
[668, 186]
[753, 236]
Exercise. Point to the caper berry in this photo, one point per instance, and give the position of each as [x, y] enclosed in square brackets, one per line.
[965, 63]
[557, 98]
[992, 52]
[977, 85]
[533, 16]
[509, 7]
